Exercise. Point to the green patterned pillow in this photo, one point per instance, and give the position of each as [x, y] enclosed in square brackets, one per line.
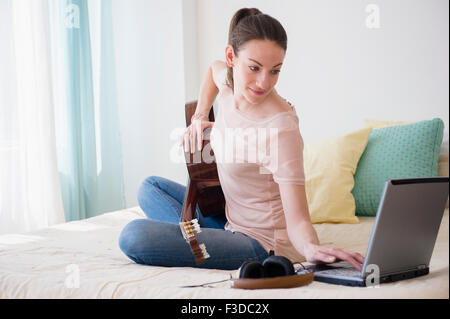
[402, 151]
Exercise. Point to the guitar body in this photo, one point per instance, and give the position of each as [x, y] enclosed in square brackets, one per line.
[203, 185]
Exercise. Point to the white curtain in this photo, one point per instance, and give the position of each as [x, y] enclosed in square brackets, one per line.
[30, 196]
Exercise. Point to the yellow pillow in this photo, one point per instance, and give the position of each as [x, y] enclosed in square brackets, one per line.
[329, 168]
[443, 158]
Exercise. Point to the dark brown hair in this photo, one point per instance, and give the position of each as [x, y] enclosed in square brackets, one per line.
[251, 24]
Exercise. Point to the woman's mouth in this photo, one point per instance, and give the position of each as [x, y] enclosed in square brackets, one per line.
[257, 92]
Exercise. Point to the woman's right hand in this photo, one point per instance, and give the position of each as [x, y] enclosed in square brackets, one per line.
[323, 254]
[193, 132]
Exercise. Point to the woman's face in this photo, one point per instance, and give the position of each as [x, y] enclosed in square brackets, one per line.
[255, 69]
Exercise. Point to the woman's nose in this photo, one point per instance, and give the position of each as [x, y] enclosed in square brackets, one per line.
[263, 81]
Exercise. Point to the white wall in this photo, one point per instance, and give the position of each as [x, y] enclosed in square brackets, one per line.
[149, 54]
[190, 46]
[337, 71]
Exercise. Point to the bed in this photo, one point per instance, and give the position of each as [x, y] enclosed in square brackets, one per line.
[81, 259]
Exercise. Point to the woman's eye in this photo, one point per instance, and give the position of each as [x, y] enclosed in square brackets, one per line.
[255, 68]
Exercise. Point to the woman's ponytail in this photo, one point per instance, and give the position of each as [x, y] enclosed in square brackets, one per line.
[238, 16]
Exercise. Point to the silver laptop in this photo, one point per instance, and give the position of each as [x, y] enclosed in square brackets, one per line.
[403, 236]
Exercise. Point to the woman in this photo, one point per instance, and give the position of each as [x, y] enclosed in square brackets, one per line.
[266, 205]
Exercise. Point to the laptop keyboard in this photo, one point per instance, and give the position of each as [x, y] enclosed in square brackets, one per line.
[337, 269]
[340, 272]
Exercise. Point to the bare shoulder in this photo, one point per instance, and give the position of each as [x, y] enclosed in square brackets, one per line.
[219, 73]
[280, 105]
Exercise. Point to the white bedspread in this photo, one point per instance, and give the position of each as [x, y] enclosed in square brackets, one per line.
[82, 260]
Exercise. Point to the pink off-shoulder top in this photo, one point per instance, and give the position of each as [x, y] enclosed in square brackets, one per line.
[253, 156]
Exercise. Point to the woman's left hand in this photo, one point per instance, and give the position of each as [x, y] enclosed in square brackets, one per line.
[322, 254]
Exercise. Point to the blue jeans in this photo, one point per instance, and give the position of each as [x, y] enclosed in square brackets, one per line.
[157, 240]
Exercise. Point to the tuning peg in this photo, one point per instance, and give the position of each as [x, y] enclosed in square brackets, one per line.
[188, 228]
[204, 252]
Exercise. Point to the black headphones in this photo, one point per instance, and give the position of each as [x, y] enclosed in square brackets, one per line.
[254, 275]
[272, 266]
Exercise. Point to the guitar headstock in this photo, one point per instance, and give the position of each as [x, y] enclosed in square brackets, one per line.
[188, 229]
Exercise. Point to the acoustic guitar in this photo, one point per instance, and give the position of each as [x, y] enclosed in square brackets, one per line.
[203, 185]
[203, 188]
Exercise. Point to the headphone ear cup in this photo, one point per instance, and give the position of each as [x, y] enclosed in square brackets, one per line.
[251, 269]
[276, 266]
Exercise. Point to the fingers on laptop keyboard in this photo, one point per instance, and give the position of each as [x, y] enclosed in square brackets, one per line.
[341, 254]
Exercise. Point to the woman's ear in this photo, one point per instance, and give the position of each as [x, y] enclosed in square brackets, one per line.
[229, 55]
